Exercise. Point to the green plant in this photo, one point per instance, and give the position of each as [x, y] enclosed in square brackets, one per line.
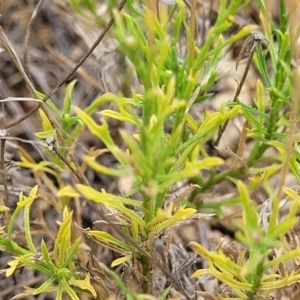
[59, 266]
[168, 146]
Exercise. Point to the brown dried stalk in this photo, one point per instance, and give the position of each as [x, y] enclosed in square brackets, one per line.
[10, 49]
[256, 39]
[3, 134]
[53, 147]
[27, 35]
[80, 62]
[193, 27]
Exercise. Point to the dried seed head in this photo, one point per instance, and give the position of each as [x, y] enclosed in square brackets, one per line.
[52, 144]
[256, 38]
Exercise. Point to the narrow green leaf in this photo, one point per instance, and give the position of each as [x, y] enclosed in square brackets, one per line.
[249, 211]
[68, 98]
[42, 288]
[105, 236]
[72, 253]
[68, 289]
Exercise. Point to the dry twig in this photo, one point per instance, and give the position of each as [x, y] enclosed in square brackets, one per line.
[256, 39]
[80, 62]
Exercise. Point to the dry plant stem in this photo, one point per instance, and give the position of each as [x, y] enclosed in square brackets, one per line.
[81, 61]
[74, 171]
[89, 79]
[239, 88]
[24, 99]
[2, 168]
[34, 144]
[254, 40]
[77, 170]
[10, 49]
[192, 27]
[16, 109]
[53, 147]
[28, 282]
[27, 35]
[157, 9]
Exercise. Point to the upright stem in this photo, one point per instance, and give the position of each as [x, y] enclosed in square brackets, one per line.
[254, 40]
[193, 28]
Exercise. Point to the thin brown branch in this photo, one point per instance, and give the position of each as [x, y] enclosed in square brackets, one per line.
[252, 42]
[3, 133]
[80, 62]
[81, 71]
[35, 144]
[25, 283]
[192, 28]
[53, 147]
[11, 50]
[27, 35]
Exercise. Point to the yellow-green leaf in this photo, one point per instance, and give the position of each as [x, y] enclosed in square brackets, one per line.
[105, 236]
[102, 169]
[101, 197]
[84, 284]
[13, 264]
[46, 133]
[120, 260]
[180, 215]
[161, 216]
[45, 121]
[107, 199]
[62, 242]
